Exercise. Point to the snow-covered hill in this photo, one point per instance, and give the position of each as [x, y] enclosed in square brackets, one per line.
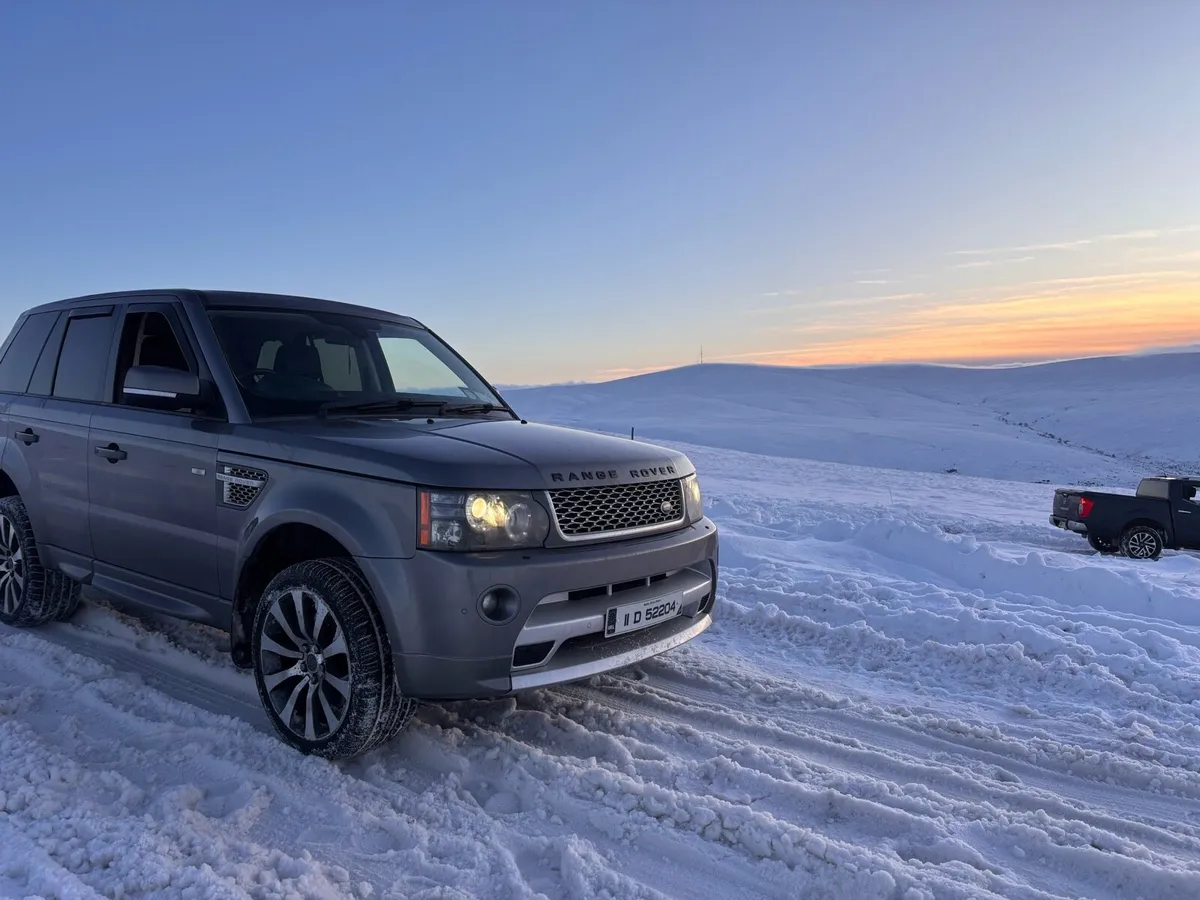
[1105, 421]
[916, 689]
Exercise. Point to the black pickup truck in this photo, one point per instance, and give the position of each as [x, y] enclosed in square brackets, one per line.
[1163, 515]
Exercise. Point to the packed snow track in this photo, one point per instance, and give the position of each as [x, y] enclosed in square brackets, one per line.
[894, 703]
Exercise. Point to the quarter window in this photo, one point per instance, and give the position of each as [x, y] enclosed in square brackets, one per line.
[23, 352]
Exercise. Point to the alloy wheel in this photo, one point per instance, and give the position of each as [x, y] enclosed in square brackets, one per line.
[12, 567]
[1142, 545]
[305, 664]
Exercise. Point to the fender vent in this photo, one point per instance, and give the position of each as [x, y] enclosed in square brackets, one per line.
[240, 486]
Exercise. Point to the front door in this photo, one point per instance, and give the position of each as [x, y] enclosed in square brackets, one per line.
[152, 474]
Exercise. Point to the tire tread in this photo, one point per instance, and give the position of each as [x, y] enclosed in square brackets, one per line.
[378, 710]
[49, 595]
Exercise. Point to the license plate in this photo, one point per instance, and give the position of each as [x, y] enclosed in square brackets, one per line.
[632, 616]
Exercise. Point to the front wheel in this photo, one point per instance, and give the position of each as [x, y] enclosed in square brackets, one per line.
[322, 662]
[1100, 545]
[1142, 542]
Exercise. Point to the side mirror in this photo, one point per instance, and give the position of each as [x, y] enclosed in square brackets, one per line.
[162, 388]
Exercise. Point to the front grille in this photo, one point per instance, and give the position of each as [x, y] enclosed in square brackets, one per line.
[617, 507]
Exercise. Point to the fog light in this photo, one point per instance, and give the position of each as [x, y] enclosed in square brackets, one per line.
[499, 605]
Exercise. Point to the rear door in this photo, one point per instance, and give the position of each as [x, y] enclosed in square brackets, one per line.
[50, 426]
[1186, 513]
[153, 487]
[26, 346]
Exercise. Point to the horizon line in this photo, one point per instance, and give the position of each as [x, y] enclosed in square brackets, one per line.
[979, 365]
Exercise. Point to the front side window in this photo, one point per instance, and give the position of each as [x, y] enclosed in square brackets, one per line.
[296, 362]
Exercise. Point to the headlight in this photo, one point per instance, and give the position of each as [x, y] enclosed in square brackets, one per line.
[480, 520]
[692, 499]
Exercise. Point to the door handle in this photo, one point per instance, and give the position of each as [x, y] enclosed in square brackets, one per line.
[112, 453]
[27, 437]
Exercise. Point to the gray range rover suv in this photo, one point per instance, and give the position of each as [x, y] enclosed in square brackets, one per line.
[342, 492]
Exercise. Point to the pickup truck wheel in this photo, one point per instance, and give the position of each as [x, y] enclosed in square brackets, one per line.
[322, 662]
[1142, 542]
[30, 594]
[1102, 546]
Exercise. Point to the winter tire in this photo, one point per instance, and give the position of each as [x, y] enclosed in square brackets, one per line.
[29, 593]
[1142, 542]
[1100, 545]
[322, 662]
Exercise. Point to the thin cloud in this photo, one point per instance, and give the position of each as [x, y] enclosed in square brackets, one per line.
[884, 298]
[874, 281]
[1124, 278]
[1160, 257]
[840, 303]
[1145, 234]
[984, 263]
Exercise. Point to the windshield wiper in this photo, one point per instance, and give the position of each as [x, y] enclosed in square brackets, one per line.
[404, 404]
[471, 409]
[392, 404]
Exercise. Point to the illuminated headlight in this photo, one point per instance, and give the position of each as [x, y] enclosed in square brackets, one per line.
[481, 520]
[692, 499]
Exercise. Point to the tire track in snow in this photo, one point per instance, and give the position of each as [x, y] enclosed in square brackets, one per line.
[861, 722]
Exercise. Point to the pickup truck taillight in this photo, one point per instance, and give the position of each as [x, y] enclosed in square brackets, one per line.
[1085, 507]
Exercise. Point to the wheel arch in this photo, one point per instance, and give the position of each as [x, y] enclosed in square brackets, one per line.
[17, 481]
[313, 514]
[279, 544]
[1148, 523]
[15, 477]
[8, 487]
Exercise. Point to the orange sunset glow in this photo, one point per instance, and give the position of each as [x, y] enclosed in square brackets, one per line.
[1083, 318]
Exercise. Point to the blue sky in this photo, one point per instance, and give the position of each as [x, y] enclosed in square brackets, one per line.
[572, 191]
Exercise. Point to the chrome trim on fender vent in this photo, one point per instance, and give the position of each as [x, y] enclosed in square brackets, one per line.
[240, 486]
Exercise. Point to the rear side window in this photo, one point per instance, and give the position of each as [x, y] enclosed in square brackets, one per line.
[1154, 487]
[17, 365]
[84, 358]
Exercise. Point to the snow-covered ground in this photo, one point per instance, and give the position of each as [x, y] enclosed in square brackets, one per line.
[916, 688]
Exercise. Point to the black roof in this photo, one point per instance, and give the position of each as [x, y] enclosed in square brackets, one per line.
[243, 299]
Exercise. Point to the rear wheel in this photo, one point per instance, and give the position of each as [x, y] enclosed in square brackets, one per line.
[1142, 542]
[30, 594]
[1100, 545]
[322, 662]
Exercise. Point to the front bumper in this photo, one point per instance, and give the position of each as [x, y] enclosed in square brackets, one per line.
[444, 648]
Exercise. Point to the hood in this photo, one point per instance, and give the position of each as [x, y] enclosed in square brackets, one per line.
[457, 453]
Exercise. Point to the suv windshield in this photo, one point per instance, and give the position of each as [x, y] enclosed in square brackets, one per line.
[297, 363]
